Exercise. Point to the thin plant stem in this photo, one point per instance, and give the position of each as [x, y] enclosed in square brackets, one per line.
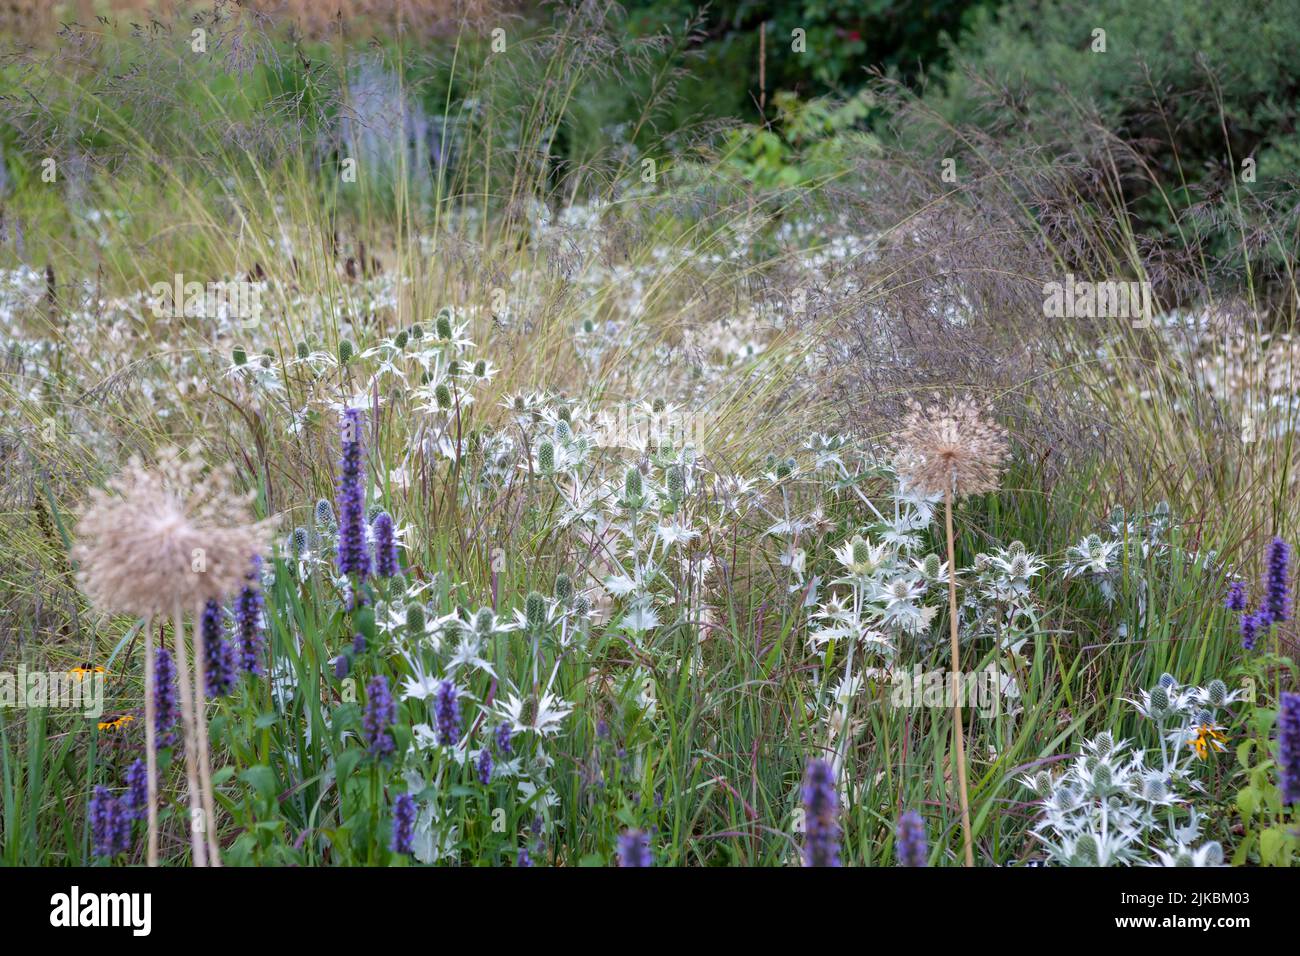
[198, 846]
[201, 729]
[151, 743]
[960, 750]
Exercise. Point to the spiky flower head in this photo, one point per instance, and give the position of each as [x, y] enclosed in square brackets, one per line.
[324, 515]
[910, 839]
[546, 457]
[950, 446]
[346, 351]
[632, 487]
[176, 535]
[535, 611]
[563, 588]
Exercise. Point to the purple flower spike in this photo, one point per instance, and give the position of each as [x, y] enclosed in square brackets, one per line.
[446, 710]
[1236, 599]
[219, 656]
[353, 556]
[1277, 582]
[910, 841]
[821, 816]
[385, 546]
[634, 849]
[166, 712]
[380, 714]
[403, 824]
[1288, 747]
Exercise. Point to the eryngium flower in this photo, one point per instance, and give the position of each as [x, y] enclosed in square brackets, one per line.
[168, 536]
[446, 711]
[166, 713]
[380, 714]
[403, 823]
[219, 656]
[1288, 747]
[1277, 591]
[385, 546]
[353, 558]
[249, 624]
[110, 825]
[634, 849]
[950, 446]
[821, 845]
[910, 839]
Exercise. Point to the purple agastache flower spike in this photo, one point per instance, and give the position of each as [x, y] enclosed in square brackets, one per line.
[1288, 747]
[446, 710]
[219, 656]
[110, 825]
[385, 546]
[523, 859]
[380, 714]
[1249, 630]
[910, 840]
[137, 790]
[353, 557]
[1236, 599]
[1277, 582]
[403, 823]
[821, 816]
[503, 739]
[249, 623]
[166, 711]
[634, 849]
[485, 767]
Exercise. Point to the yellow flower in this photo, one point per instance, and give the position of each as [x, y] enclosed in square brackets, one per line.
[115, 724]
[1208, 738]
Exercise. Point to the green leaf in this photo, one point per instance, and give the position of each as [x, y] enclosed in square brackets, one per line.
[263, 780]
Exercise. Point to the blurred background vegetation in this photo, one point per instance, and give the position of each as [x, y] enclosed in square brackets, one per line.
[1166, 109]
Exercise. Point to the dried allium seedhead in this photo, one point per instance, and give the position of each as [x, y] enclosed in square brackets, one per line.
[950, 445]
[173, 535]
